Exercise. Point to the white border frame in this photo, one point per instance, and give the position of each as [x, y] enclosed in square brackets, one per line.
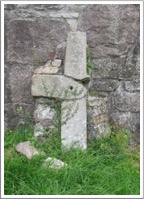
[2, 98]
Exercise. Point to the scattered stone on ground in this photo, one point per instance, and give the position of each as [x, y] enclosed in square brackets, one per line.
[54, 163]
[26, 149]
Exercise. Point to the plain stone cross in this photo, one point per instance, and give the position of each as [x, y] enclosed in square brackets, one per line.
[72, 93]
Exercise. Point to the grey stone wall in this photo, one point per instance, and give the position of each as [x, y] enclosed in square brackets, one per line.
[35, 34]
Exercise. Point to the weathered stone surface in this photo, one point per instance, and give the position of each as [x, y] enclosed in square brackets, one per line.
[74, 124]
[65, 15]
[20, 81]
[31, 41]
[111, 29]
[54, 6]
[98, 117]
[57, 62]
[13, 118]
[31, 36]
[116, 68]
[73, 24]
[7, 88]
[46, 70]
[128, 120]
[102, 130]
[60, 51]
[97, 101]
[54, 163]
[26, 149]
[100, 110]
[38, 130]
[44, 118]
[43, 112]
[75, 61]
[108, 67]
[104, 85]
[23, 6]
[132, 85]
[126, 101]
[57, 86]
[9, 6]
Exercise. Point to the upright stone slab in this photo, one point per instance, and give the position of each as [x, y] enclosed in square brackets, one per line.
[74, 124]
[74, 119]
[75, 60]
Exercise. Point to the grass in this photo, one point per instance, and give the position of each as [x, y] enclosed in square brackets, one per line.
[106, 167]
[89, 62]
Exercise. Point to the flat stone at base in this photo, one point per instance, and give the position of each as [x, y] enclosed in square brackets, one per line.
[74, 124]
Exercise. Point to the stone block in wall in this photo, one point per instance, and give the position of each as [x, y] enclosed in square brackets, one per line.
[115, 68]
[126, 101]
[9, 6]
[98, 117]
[8, 115]
[107, 67]
[60, 51]
[111, 29]
[23, 6]
[32, 41]
[7, 91]
[105, 85]
[43, 113]
[121, 67]
[54, 6]
[18, 114]
[97, 101]
[45, 117]
[20, 83]
[128, 120]
[131, 86]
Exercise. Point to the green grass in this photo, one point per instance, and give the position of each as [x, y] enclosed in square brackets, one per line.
[89, 62]
[107, 167]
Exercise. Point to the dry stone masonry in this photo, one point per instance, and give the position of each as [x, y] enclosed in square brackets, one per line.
[65, 88]
[37, 39]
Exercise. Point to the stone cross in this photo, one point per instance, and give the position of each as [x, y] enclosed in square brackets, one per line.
[72, 93]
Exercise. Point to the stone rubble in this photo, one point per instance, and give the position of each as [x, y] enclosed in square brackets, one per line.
[54, 163]
[29, 151]
[26, 149]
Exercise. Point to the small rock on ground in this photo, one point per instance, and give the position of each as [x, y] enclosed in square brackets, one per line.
[54, 163]
[26, 149]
